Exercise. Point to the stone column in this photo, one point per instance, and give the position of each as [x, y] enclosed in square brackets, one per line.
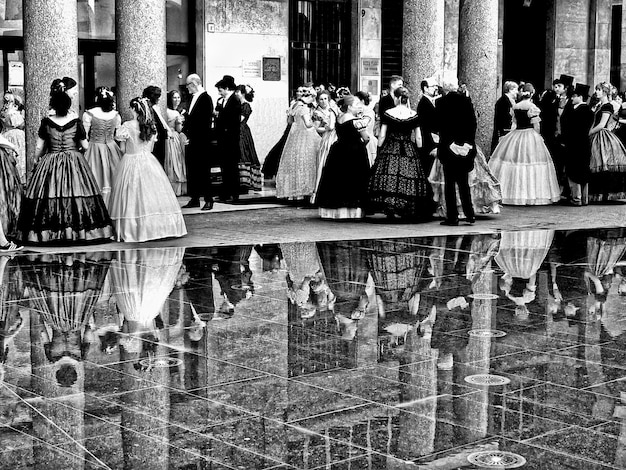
[50, 51]
[141, 56]
[423, 42]
[478, 61]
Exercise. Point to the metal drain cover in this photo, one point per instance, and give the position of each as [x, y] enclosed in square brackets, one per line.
[161, 362]
[487, 379]
[496, 459]
[487, 333]
[246, 287]
[483, 296]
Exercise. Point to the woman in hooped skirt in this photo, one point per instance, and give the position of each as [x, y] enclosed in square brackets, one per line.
[342, 191]
[398, 186]
[608, 154]
[521, 162]
[143, 203]
[62, 201]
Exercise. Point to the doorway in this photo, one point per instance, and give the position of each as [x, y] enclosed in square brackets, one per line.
[319, 32]
[524, 41]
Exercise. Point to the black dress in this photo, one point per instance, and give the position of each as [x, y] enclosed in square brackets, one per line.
[398, 184]
[62, 201]
[342, 191]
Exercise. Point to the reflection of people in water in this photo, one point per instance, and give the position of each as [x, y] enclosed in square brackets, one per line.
[11, 321]
[604, 251]
[520, 257]
[307, 288]
[345, 266]
[271, 256]
[65, 291]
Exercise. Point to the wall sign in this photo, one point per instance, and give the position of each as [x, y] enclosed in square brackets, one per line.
[271, 69]
[370, 67]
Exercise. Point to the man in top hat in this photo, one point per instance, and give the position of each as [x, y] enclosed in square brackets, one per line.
[227, 130]
[552, 104]
[197, 128]
[576, 121]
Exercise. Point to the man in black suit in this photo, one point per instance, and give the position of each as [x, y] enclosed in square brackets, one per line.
[227, 129]
[387, 101]
[576, 121]
[153, 94]
[426, 113]
[503, 116]
[197, 128]
[456, 122]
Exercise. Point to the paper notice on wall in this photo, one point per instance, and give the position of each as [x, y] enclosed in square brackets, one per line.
[251, 68]
[16, 74]
[370, 67]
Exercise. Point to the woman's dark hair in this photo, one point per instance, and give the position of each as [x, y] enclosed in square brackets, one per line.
[345, 102]
[363, 96]
[170, 98]
[153, 93]
[402, 93]
[60, 102]
[527, 91]
[147, 127]
[105, 99]
[246, 91]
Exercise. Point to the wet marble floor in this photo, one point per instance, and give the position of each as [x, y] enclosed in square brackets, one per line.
[413, 353]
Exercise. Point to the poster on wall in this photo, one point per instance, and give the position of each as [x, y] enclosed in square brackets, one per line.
[271, 69]
[370, 67]
[251, 68]
[16, 74]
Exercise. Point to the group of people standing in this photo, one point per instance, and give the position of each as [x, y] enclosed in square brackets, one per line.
[342, 157]
[560, 146]
[96, 178]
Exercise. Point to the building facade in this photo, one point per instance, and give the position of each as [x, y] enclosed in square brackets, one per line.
[275, 45]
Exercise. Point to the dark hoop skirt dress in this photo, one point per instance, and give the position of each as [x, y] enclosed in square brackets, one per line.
[249, 166]
[608, 162]
[342, 192]
[62, 201]
[398, 184]
[10, 188]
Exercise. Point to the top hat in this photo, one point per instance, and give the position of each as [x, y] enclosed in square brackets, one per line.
[227, 82]
[566, 80]
[581, 90]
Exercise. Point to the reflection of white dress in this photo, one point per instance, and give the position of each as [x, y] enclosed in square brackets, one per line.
[143, 279]
[521, 253]
[143, 205]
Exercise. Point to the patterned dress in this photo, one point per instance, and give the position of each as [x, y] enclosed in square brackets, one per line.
[608, 162]
[62, 201]
[398, 184]
[175, 156]
[297, 172]
[103, 153]
[249, 165]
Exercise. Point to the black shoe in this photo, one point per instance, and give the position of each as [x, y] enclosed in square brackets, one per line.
[207, 206]
[451, 223]
[470, 220]
[193, 203]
